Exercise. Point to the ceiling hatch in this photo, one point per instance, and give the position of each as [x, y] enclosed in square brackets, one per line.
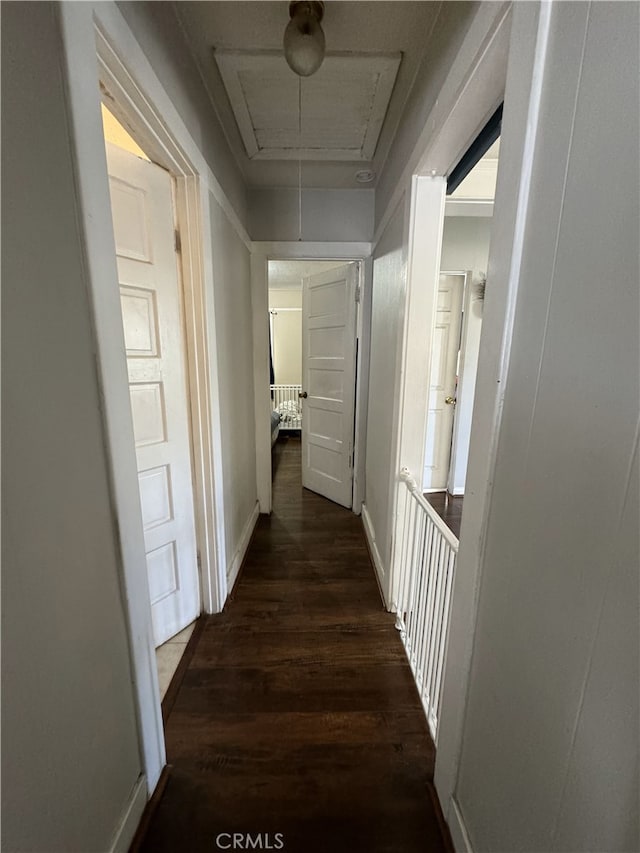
[336, 114]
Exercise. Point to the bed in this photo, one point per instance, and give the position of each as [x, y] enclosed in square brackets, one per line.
[275, 426]
[287, 404]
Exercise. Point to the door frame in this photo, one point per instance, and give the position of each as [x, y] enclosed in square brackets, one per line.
[124, 100]
[261, 254]
[95, 36]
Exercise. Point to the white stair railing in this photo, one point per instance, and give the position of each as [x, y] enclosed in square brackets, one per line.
[285, 399]
[427, 559]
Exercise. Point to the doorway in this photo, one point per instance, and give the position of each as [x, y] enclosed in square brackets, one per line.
[104, 64]
[142, 196]
[313, 356]
[456, 342]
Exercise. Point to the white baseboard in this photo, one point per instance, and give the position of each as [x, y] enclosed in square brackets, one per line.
[130, 817]
[241, 550]
[370, 533]
[457, 828]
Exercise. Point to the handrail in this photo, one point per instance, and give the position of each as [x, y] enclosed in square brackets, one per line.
[427, 552]
[409, 481]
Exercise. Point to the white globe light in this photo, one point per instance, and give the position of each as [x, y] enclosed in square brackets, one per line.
[304, 38]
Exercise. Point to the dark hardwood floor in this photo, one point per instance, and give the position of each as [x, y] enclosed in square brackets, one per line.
[297, 713]
[449, 509]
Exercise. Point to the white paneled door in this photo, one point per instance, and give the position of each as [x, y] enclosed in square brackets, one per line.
[328, 380]
[442, 385]
[150, 297]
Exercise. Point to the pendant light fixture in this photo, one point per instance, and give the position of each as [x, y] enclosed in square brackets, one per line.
[304, 38]
[304, 51]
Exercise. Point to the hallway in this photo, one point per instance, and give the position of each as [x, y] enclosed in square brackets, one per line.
[298, 713]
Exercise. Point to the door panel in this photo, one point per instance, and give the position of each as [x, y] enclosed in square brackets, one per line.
[328, 377]
[150, 299]
[442, 386]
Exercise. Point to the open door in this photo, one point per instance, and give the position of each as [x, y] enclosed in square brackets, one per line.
[150, 298]
[328, 382]
[442, 384]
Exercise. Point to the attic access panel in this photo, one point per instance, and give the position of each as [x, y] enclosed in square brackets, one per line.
[336, 114]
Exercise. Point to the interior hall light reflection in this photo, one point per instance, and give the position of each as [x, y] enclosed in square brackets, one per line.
[303, 38]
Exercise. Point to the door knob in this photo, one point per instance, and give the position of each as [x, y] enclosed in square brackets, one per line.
[303, 395]
[450, 401]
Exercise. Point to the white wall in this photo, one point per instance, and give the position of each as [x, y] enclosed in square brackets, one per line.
[465, 246]
[550, 745]
[465, 243]
[68, 707]
[290, 297]
[234, 339]
[327, 215]
[70, 747]
[285, 291]
[286, 338]
[387, 311]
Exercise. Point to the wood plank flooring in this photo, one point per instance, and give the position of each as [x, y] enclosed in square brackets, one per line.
[297, 713]
[449, 508]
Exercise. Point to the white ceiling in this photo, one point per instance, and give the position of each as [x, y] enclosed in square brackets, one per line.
[351, 28]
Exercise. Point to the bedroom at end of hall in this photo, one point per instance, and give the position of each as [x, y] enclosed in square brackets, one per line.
[285, 340]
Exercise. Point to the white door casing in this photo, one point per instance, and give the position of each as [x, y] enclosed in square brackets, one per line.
[150, 296]
[328, 378]
[442, 384]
